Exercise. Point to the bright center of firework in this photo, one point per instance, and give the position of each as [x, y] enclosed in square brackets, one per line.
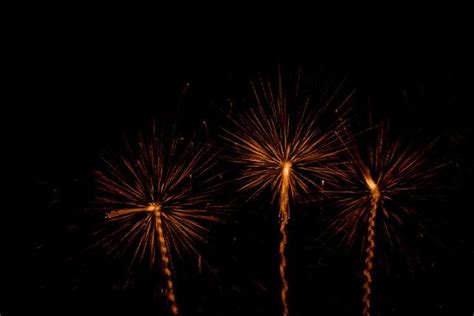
[374, 188]
[286, 167]
[153, 207]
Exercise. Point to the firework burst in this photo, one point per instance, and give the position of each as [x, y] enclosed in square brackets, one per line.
[374, 191]
[156, 203]
[287, 155]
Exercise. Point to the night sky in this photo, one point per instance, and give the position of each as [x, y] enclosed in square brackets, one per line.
[85, 86]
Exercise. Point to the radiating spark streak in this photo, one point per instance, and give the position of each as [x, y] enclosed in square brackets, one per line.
[153, 207]
[128, 211]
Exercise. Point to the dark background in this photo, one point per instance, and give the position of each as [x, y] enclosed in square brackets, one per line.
[82, 84]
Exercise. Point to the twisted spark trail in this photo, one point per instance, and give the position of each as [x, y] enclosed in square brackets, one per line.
[370, 251]
[284, 206]
[155, 210]
[165, 260]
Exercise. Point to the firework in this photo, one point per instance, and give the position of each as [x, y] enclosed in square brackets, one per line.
[287, 155]
[156, 203]
[370, 190]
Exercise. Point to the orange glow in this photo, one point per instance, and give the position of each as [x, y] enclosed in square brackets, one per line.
[286, 167]
[371, 184]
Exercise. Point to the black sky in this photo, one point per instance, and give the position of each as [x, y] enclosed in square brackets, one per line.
[80, 86]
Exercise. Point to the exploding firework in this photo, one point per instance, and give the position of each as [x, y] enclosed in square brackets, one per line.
[156, 203]
[289, 156]
[374, 191]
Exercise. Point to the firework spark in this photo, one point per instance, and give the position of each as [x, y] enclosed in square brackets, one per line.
[286, 155]
[151, 199]
[370, 193]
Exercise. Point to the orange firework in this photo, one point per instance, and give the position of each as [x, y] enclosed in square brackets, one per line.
[290, 156]
[154, 200]
[370, 191]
